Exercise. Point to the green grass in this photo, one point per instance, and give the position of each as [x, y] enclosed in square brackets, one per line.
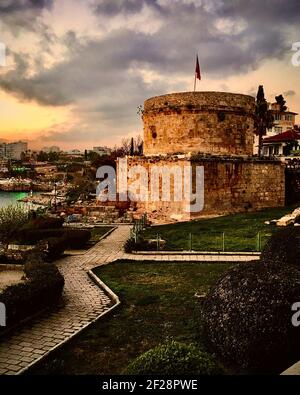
[158, 304]
[98, 232]
[240, 230]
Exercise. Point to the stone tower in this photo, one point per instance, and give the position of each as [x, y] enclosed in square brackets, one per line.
[204, 122]
[214, 131]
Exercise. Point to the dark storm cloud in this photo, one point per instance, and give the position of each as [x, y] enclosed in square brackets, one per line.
[105, 71]
[18, 15]
[188, 28]
[268, 11]
[111, 8]
[95, 67]
[11, 6]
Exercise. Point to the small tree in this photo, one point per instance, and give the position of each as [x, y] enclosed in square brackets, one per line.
[263, 117]
[280, 100]
[42, 156]
[132, 150]
[11, 219]
[125, 146]
[139, 145]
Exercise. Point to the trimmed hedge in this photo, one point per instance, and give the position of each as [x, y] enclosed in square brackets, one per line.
[11, 259]
[247, 314]
[44, 223]
[77, 238]
[42, 289]
[72, 238]
[283, 248]
[56, 247]
[172, 359]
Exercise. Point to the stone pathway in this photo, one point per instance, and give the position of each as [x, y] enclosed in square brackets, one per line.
[83, 302]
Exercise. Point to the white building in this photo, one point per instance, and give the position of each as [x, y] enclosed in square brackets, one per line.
[282, 122]
[13, 150]
[102, 151]
[285, 145]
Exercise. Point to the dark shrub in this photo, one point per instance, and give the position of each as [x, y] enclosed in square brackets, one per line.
[56, 246]
[47, 223]
[43, 223]
[32, 236]
[283, 247]
[76, 238]
[16, 259]
[129, 246]
[174, 359]
[247, 314]
[73, 238]
[43, 289]
[140, 245]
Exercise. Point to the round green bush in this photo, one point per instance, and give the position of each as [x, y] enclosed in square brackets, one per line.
[247, 314]
[174, 358]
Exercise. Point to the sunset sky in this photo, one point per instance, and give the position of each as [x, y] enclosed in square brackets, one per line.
[76, 70]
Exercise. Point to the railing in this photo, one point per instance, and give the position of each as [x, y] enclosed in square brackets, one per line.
[138, 226]
[224, 244]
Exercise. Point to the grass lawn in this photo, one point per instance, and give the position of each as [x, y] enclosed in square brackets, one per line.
[158, 304]
[240, 230]
[98, 232]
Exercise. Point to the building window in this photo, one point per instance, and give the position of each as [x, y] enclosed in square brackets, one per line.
[276, 150]
[278, 129]
[277, 117]
[153, 132]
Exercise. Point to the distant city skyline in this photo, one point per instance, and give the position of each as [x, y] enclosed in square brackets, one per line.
[76, 71]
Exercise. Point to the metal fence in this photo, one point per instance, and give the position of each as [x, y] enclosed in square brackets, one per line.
[220, 242]
[223, 243]
[138, 226]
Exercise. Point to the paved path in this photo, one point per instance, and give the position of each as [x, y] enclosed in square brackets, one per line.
[83, 302]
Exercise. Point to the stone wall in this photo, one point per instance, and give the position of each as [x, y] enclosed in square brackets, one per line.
[207, 122]
[231, 184]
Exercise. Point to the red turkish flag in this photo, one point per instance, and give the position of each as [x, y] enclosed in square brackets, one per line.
[197, 70]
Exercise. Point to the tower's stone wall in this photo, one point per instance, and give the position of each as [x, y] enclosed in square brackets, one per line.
[231, 185]
[217, 123]
[214, 130]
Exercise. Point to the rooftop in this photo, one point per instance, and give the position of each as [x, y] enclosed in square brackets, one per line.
[289, 135]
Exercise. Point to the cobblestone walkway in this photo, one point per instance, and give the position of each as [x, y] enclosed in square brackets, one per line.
[83, 302]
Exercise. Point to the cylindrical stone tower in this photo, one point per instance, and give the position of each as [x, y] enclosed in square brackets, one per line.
[217, 123]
